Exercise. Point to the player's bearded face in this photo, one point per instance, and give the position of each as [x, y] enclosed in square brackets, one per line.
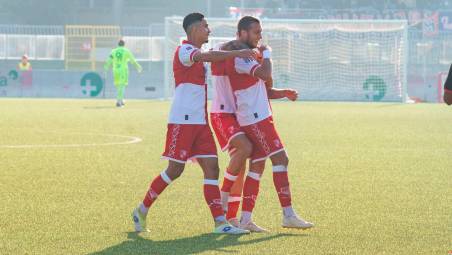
[254, 35]
[204, 30]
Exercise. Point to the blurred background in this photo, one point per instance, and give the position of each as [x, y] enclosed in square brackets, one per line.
[77, 36]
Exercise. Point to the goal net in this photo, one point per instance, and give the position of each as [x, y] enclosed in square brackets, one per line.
[325, 60]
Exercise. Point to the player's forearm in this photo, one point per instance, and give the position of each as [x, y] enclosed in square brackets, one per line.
[137, 65]
[276, 93]
[264, 72]
[214, 56]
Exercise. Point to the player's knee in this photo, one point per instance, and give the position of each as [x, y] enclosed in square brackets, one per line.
[213, 173]
[280, 159]
[175, 170]
[246, 148]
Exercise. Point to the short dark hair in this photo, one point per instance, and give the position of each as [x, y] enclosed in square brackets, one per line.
[245, 23]
[121, 42]
[192, 18]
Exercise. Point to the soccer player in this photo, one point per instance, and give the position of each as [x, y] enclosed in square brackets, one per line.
[229, 134]
[119, 59]
[230, 137]
[188, 134]
[448, 88]
[247, 78]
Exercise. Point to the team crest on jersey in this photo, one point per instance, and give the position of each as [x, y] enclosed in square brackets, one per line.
[183, 154]
[231, 130]
[277, 143]
[189, 48]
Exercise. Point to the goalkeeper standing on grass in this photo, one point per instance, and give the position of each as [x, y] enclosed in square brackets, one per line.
[119, 59]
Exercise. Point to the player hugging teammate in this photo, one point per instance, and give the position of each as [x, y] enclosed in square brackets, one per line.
[242, 120]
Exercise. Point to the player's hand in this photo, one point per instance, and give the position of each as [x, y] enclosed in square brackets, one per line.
[291, 94]
[264, 47]
[246, 54]
[140, 69]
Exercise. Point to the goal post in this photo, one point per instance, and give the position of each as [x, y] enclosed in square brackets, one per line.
[325, 60]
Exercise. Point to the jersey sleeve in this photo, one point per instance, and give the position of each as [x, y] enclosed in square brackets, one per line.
[448, 83]
[186, 53]
[245, 66]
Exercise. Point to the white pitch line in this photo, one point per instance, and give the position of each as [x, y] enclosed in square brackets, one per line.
[132, 140]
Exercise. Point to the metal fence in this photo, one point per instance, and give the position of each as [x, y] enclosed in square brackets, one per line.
[429, 55]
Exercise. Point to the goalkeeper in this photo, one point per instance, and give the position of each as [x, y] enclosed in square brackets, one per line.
[448, 88]
[119, 59]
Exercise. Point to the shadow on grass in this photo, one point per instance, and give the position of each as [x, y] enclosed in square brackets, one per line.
[189, 245]
[99, 107]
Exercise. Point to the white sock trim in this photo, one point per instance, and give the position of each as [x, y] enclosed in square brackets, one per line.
[230, 176]
[288, 211]
[279, 169]
[210, 182]
[246, 217]
[234, 199]
[255, 176]
[165, 177]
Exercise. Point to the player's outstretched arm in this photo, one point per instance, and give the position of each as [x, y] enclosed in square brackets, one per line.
[135, 63]
[290, 94]
[214, 55]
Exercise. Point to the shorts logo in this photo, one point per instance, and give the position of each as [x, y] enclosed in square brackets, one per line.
[277, 143]
[231, 130]
[183, 154]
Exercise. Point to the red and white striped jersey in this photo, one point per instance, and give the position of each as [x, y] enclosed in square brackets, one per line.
[189, 104]
[223, 100]
[249, 91]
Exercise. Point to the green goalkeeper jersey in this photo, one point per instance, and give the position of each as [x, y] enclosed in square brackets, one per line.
[119, 59]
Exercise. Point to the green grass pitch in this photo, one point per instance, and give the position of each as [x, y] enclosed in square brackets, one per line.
[375, 178]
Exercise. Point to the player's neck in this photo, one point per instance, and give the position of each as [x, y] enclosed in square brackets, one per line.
[196, 43]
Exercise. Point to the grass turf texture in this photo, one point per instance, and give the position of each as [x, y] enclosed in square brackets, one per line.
[375, 178]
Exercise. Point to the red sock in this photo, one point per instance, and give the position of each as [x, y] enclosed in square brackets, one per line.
[228, 181]
[157, 186]
[213, 199]
[250, 191]
[233, 207]
[281, 182]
